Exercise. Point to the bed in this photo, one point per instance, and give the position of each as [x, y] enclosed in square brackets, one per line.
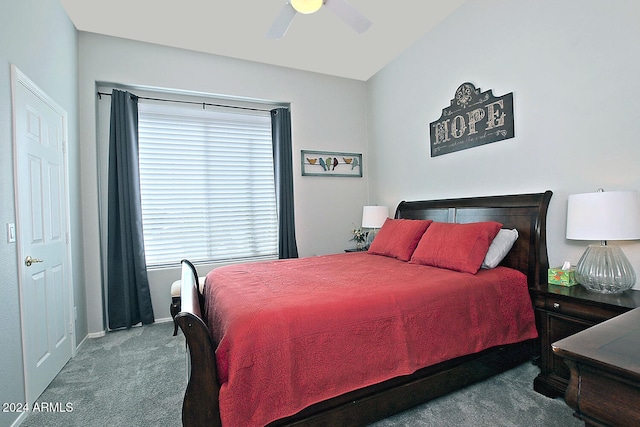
[354, 344]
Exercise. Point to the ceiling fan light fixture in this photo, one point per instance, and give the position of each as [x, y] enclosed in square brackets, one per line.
[306, 6]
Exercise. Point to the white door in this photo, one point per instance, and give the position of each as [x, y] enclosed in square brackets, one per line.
[42, 232]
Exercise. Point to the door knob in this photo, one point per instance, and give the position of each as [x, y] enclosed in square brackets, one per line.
[28, 260]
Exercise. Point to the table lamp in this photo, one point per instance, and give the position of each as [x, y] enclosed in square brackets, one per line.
[373, 217]
[610, 215]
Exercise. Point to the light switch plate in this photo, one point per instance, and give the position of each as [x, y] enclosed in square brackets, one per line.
[11, 233]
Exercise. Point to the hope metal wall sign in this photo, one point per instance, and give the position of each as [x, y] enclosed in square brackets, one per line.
[474, 118]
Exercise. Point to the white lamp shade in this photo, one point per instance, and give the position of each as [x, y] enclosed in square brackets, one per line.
[374, 216]
[609, 215]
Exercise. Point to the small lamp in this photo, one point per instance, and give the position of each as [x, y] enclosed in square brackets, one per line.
[306, 6]
[373, 217]
[611, 215]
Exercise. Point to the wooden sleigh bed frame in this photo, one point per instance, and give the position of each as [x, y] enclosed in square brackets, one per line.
[524, 212]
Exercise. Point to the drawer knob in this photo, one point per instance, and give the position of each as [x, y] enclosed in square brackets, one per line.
[556, 305]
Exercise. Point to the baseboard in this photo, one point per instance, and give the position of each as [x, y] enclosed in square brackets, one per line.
[103, 333]
[96, 334]
[81, 342]
[20, 419]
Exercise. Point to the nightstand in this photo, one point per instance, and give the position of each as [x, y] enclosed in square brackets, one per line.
[563, 311]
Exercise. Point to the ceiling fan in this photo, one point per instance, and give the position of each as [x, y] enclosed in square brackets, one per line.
[341, 8]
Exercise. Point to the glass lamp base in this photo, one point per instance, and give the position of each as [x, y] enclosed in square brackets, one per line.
[371, 234]
[605, 269]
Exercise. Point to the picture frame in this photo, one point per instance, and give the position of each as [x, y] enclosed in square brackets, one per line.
[315, 163]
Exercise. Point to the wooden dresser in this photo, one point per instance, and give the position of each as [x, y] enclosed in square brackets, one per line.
[563, 311]
[604, 360]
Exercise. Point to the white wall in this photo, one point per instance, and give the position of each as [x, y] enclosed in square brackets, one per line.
[328, 113]
[38, 37]
[573, 68]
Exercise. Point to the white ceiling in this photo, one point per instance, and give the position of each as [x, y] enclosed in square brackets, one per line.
[319, 42]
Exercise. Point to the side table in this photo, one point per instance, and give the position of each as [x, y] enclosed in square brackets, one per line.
[604, 389]
[563, 311]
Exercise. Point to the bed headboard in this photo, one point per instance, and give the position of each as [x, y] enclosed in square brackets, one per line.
[525, 212]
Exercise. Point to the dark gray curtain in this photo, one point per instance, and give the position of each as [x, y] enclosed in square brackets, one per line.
[283, 167]
[129, 299]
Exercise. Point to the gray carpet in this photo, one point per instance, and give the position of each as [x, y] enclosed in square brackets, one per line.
[134, 377]
[137, 377]
[506, 400]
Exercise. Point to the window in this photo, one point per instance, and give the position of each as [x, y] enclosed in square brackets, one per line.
[207, 183]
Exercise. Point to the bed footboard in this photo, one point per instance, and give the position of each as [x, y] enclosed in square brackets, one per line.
[200, 406]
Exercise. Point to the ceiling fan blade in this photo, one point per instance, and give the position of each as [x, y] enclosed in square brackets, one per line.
[349, 15]
[283, 21]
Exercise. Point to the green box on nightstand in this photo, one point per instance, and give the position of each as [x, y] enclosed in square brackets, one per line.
[558, 276]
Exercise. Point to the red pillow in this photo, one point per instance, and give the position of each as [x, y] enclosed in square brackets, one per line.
[460, 247]
[399, 237]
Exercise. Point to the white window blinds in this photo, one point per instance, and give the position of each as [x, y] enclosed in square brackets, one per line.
[207, 184]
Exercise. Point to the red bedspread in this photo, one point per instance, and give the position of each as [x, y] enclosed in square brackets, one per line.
[295, 332]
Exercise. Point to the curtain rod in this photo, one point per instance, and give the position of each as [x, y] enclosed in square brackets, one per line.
[204, 104]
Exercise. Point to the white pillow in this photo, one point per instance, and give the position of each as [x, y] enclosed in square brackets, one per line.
[500, 247]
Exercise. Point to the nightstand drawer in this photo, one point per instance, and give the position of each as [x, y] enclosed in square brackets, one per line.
[579, 309]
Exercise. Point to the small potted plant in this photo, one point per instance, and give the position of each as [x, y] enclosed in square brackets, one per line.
[360, 237]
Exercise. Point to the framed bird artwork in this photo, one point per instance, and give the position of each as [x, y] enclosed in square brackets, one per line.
[329, 163]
